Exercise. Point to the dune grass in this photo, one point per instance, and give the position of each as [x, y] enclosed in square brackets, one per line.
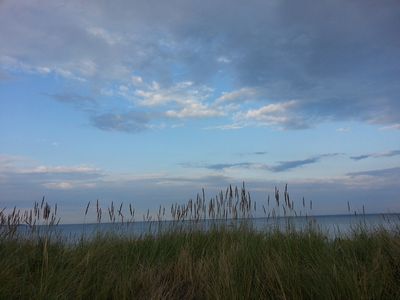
[218, 264]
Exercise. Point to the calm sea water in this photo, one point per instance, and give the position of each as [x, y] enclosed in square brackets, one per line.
[334, 225]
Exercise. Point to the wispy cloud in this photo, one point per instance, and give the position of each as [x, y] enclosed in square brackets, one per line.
[131, 122]
[281, 166]
[82, 102]
[343, 129]
[281, 115]
[68, 185]
[241, 95]
[257, 153]
[194, 110]
[22, 171]
[376, 155]
[391, 127]
[389, 172]
[234, 126]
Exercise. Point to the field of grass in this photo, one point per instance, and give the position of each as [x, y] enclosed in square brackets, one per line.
[219, 264]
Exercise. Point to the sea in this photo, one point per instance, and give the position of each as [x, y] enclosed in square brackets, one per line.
[332, 225]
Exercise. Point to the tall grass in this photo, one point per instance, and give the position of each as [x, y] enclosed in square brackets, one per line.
[221, 263]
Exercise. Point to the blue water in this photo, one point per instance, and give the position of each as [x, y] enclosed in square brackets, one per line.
[333, 226]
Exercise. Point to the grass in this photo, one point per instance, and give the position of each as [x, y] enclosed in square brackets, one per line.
[221, 263]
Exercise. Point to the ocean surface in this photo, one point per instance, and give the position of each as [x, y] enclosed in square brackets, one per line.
[332, 225]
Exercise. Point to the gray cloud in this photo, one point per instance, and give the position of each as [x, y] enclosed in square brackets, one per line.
[329, 195]
[384, 173]
[360, 157]
[86, 103]
[259, 152]
[132, 122]
[288, 165]
[338, 59]
[71, 98]
[227, 166]
[281, 166]
[376, 155]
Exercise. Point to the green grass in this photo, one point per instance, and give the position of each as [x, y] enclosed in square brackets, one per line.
[219, 264]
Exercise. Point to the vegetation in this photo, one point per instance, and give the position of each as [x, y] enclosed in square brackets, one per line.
[221, 263]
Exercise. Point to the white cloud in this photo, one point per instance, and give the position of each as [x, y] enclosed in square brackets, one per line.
[281, 115]
[58, 185]
[391, 127]
[233, 126]
[68, 185]
[264, 113]
[243, 94]
[179, 93]
[59, 170]
[194, 109]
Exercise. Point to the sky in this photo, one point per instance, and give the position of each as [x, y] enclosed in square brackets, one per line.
[149, 101]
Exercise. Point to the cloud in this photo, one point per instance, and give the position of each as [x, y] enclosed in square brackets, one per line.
[194, 110]
[324, 54]
[186, 99]
[131, 122]
[137, 80]
[383, 173]
[281, 166]
[343, 129]
[391, 127]
[376, 155]
[288, 165]
[17, 172]
[60, 170]
[180, 93]
[233, 126]
[103, 34]
[254, 153]
[329, 195]
[241, 95]
[360, 157]
[218, 167]
[68, 185]
[86, 103]
[224, 60]
[274, 114]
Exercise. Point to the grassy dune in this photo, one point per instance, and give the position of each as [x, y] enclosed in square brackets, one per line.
[219, 264]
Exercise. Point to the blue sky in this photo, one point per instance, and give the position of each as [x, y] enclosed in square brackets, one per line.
[149, 101]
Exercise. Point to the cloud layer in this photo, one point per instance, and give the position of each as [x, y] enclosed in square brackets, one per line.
[288, 64]
[376, 155]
